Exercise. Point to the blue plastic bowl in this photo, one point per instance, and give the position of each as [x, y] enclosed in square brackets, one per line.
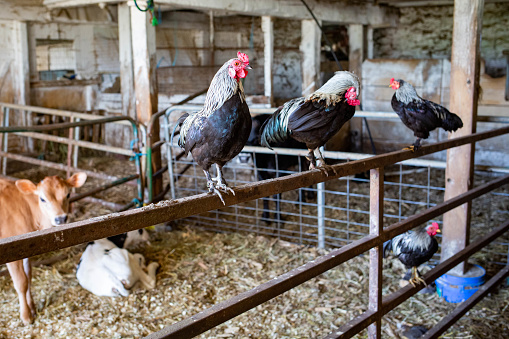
[458, 289]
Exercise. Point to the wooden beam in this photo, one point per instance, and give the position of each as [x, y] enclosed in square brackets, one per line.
[464, 97]
[335, 12]
[268, 53]
[126, 61]
[310, 49]
[22, 65]
[143, 43]
[356, 50]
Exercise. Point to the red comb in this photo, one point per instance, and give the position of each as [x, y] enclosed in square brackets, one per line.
[243, 57]
[392, 80]
[435, 224]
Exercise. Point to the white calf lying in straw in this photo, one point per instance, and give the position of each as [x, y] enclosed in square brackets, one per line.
[107, 270]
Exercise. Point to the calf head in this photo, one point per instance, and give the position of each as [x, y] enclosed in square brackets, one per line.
[53, 194]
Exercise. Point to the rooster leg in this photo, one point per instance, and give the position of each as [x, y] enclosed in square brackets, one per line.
[221, 183]
[212, 186]
[416, 279]
[322, 166]
[311, 158]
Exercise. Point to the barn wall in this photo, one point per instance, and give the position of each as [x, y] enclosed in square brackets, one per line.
[426, 32]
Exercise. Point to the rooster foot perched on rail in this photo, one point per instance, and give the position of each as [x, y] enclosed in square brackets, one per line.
[320, 163]
[416, 278]
[416, 145]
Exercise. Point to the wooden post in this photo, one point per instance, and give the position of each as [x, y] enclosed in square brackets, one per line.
[143, 37]
[464, 96]
[268, 52]
[310, 49]
[212, 38]
[370, 43]
[126, 61]
[355, 59]
[356, 44]
[376, 226]
[22, 73]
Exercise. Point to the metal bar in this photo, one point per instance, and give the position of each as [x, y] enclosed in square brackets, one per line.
[64, 113]
[85, 231]
[60, 167]
[103, 187]
[376, 208]
[69, 148]
[395, 299]
[84, 144]
[450, 319]
[64, 125]
[228, 309]
[5, 148]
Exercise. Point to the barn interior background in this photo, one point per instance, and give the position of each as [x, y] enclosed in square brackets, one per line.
[105, 58]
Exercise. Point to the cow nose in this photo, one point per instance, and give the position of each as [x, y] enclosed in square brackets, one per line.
[60, 219]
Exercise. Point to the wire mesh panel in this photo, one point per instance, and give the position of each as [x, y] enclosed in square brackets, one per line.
[340, 205]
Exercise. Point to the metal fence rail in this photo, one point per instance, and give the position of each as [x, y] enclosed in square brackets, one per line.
[77, 120]
[34, 243]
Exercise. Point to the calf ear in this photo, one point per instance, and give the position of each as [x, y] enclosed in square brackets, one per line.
[77, 180]
[26, 186]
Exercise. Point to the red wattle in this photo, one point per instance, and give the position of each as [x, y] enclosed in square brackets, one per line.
[353, 102]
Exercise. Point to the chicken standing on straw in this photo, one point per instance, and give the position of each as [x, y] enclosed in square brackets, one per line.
[218, 132]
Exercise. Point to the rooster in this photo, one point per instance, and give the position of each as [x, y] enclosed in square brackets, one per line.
[315, 119]
[420, 115]
[218, 132]
[414, 248]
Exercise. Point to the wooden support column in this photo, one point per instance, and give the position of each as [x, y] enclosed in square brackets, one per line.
[22, 64]
[464, 96]
[355, 59]
[370, 43]
[143, 37]
[126, 61]
[212, 38]
[376, 219]
[268, 52]
[310, 49]
[22, 74]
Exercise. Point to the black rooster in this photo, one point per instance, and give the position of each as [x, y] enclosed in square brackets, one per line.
[315, 119]
[218, 132]
[420, 115]
[414, 248]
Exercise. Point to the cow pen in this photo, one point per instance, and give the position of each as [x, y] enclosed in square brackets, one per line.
[88, 230]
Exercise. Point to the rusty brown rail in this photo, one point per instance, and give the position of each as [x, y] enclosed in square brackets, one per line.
[27, 245]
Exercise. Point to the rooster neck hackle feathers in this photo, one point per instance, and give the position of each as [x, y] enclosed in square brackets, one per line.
[416, 240]
[333, 90]
[222, 88]
[406, 93]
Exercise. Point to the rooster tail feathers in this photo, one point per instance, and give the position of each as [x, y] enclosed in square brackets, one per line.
[275, 129]
[387, 248]
[182, 136]
[452, 122]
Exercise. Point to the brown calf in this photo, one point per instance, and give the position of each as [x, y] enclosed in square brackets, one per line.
[26, 207]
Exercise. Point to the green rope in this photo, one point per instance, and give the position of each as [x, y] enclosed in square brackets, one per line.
[150, 8]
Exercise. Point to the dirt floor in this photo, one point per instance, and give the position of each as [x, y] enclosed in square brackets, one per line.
[199, 269]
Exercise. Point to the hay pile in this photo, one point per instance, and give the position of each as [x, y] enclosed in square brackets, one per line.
[199, 269]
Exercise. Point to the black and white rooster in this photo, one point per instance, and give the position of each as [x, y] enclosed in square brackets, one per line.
[414, 248]
[218, 132]
[420, 115]
[315, 119]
